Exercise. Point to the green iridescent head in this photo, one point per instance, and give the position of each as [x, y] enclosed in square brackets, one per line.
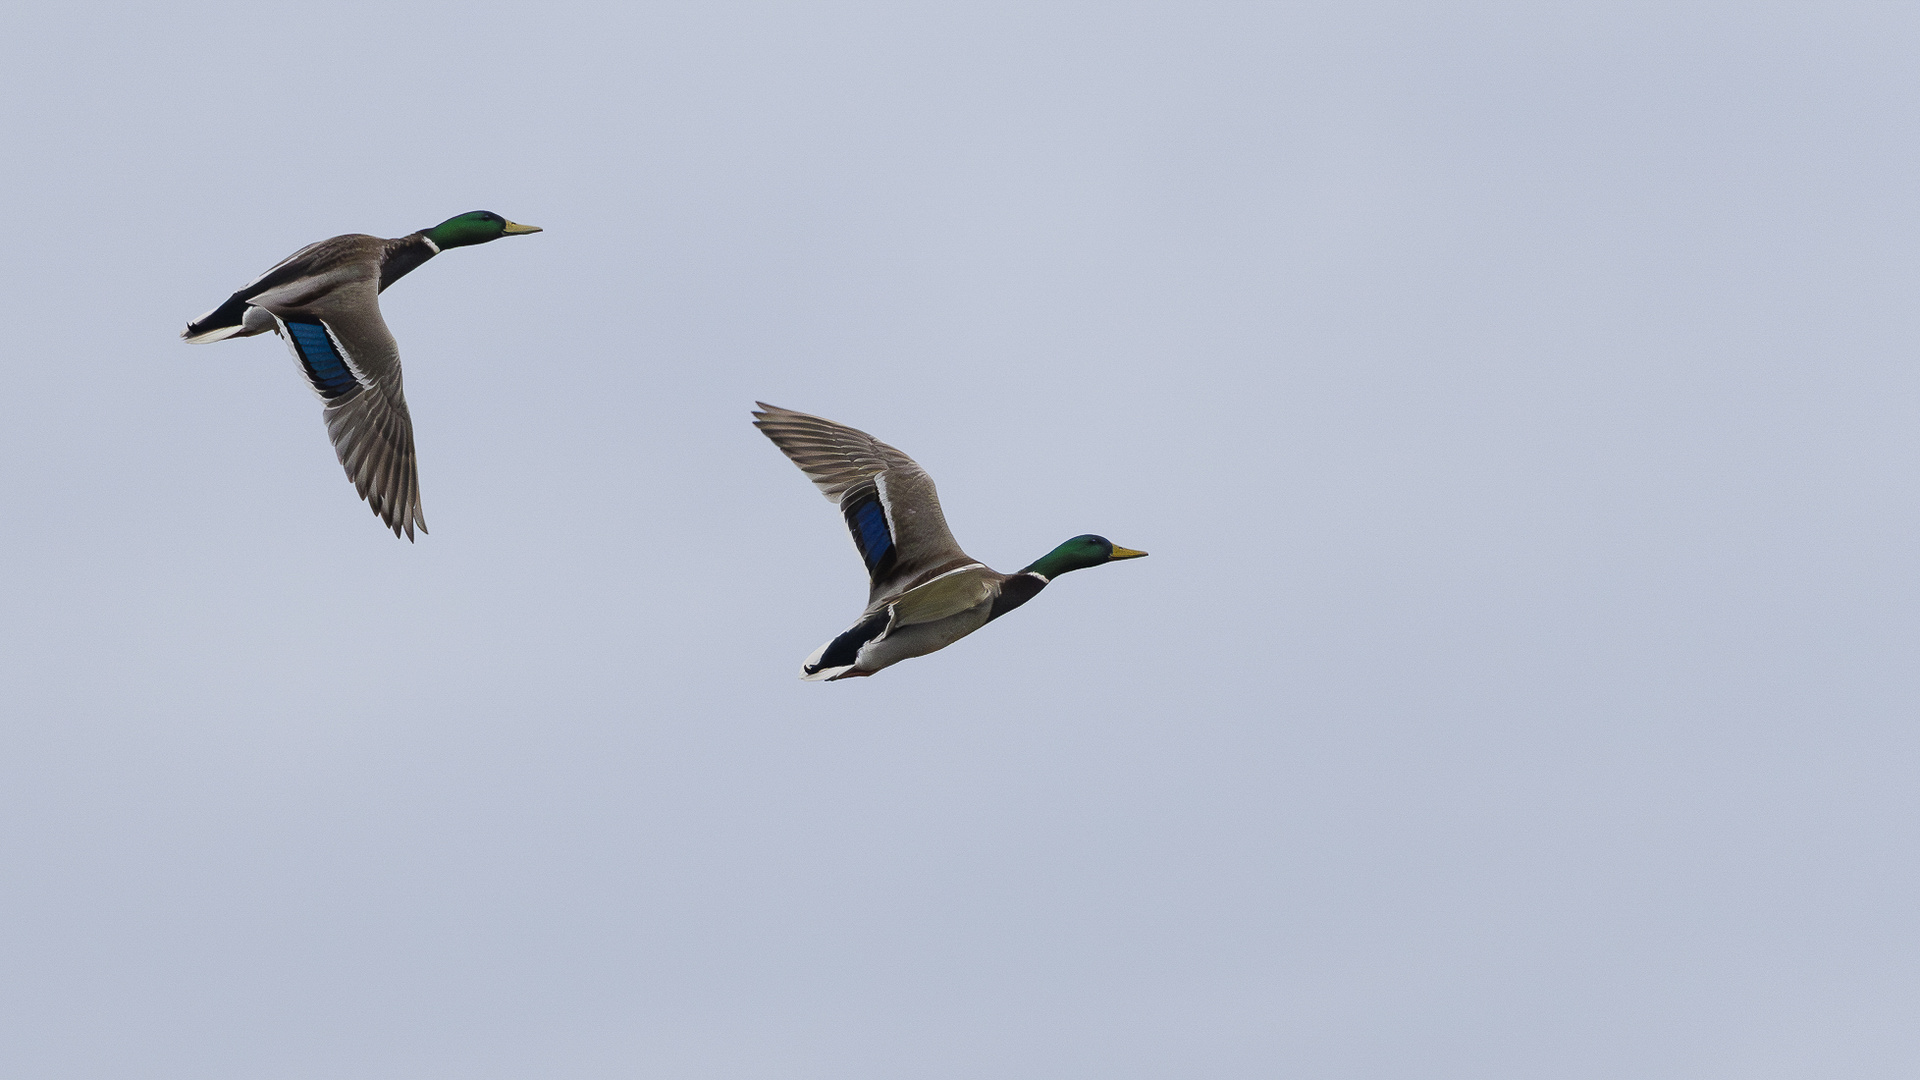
[1078, 554]
[477, 227]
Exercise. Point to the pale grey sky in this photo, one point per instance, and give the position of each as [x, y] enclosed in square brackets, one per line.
[1518, 402]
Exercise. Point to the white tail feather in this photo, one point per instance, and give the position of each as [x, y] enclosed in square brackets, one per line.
[219, 334]
[823, 673]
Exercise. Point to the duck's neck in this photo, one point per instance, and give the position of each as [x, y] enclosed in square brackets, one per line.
[403, 256]
[1052, 565]
[1017, 589]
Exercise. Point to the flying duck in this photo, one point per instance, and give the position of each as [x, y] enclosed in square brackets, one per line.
[925, 592]
[325, 301]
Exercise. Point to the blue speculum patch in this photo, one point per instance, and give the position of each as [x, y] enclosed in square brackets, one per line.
[324, 366]
[869, 521]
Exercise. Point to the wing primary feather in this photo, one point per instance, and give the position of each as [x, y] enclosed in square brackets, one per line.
[887, 500]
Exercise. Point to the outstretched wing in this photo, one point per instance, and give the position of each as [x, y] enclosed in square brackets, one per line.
[352, 362]
[889, 502]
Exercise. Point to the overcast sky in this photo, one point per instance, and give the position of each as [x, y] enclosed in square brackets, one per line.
[1518, 403]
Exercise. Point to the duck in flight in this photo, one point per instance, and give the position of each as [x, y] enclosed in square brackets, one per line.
[925, 592]
[325, 301]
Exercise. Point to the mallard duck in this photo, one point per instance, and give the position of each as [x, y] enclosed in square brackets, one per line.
[925, 592]
[325, 301]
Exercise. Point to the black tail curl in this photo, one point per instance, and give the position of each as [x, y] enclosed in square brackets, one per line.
[228, 314]
[845, 649]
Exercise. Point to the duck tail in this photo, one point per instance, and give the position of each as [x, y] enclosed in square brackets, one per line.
[812, 670]
[840, 658]
[227, 320]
